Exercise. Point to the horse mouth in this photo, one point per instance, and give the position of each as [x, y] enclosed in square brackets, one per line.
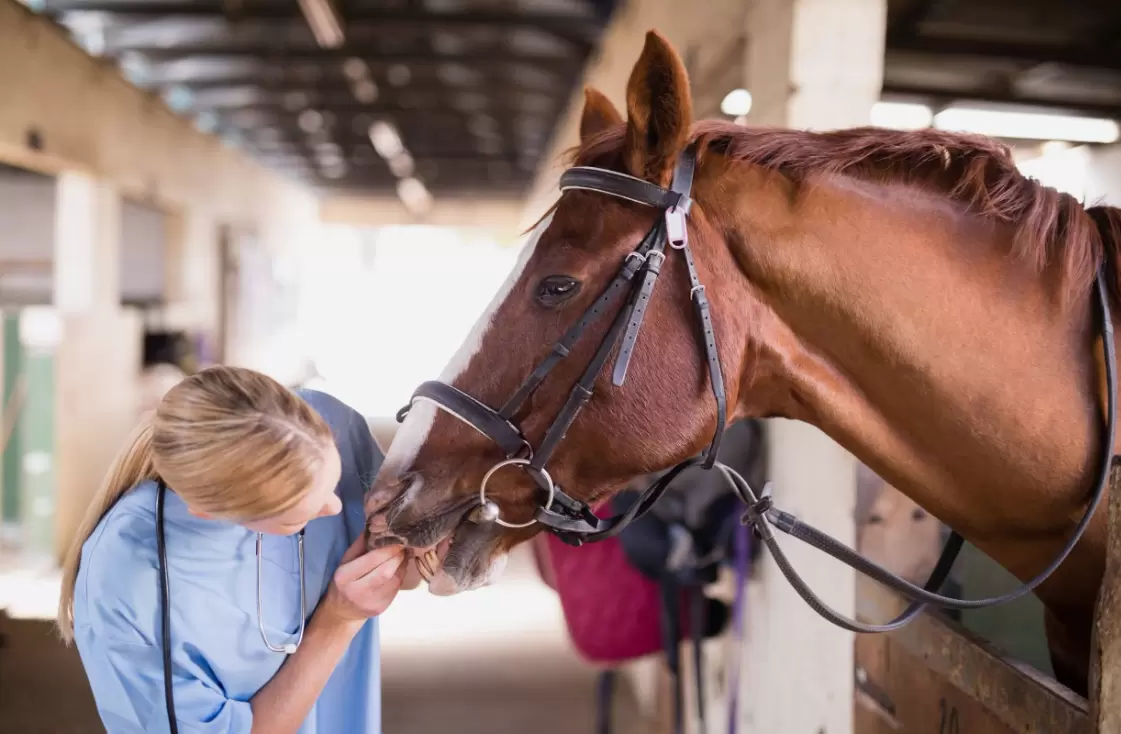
[430, 561]
[427, 542]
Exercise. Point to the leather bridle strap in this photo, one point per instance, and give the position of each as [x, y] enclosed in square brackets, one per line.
[675, 217]
[633, 263]
[622, 186]
[567, 517]
[467, 409]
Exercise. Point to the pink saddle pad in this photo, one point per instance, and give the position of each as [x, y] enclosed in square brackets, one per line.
[611, 610]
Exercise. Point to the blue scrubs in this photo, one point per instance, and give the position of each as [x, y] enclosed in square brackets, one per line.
[219, 660]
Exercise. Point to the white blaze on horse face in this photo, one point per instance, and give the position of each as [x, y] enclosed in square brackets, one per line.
[418, 423]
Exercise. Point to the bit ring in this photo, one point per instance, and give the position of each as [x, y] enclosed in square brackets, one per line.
[552, 490]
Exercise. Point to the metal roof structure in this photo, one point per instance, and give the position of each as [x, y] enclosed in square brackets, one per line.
[358, 96]
[1041, 54]
[460, 97]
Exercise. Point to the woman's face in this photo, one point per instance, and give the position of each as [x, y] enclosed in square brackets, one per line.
[320, 500]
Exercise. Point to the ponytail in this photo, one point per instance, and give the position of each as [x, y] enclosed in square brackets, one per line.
[132, 466]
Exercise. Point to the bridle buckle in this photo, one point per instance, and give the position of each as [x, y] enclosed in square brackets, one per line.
[676, 233]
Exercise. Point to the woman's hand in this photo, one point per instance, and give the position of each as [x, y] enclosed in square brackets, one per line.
[364, 584]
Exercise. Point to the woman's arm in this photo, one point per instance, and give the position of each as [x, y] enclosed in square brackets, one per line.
[363, 586]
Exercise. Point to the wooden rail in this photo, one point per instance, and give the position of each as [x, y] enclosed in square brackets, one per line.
[936, 677]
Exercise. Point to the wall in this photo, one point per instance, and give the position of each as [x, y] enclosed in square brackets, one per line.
[1103, 175]
[91, 119]
[107, 140]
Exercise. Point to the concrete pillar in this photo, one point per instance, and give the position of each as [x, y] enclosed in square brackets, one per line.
[1103, 175]
[87, 244]
[96, 350]
[811, 64]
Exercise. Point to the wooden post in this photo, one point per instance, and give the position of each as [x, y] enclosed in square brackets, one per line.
[1105, 662]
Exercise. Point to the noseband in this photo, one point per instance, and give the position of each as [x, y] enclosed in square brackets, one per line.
[570, 519]
[573, 521]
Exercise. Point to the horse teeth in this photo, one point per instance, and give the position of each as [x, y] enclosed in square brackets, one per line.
[425, 564]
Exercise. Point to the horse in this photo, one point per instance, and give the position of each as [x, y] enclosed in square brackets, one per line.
[909, 293]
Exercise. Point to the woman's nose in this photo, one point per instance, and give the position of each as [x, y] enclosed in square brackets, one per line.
[334, 506]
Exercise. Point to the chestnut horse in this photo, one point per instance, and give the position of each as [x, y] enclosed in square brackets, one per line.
[911, 294]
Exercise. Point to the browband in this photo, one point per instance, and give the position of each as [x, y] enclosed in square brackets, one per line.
[623, 186]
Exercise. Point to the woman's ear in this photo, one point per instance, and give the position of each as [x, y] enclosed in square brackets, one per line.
[659, 112]
[599, 114]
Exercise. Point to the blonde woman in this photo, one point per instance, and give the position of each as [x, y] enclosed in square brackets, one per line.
[272, 598]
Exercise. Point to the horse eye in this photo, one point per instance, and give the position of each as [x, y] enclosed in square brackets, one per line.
[556, 289]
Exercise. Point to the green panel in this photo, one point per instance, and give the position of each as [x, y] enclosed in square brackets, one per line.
[1016, 627]
[10, 474]
[36, 430]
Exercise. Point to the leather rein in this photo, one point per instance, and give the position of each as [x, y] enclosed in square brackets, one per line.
[573, 521]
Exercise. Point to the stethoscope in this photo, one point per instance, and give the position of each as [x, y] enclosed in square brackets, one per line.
[165, 604]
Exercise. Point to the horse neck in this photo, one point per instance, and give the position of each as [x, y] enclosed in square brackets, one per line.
[900, 328]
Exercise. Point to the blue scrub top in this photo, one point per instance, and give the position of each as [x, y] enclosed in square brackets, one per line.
[219, 660]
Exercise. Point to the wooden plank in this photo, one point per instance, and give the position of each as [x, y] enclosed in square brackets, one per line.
[1105, 662]
[908, 696]
[933, 655]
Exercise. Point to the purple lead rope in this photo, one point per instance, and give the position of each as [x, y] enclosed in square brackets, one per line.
[742, 548]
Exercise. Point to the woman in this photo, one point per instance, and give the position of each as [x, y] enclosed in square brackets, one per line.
[244, 461]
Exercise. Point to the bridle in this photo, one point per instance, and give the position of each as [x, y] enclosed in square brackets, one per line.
[568, 518]
[573, 521]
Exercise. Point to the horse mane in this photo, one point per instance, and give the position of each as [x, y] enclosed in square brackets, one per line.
[1051, 229]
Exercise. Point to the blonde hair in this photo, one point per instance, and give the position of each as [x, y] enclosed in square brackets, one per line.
[231, 442]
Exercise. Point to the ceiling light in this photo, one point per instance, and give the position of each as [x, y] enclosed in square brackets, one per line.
[1028, 126]
[295, 100]
[414, 195]
[355, 68]
[399, 75]
[401, 165]
[310, 121]
[326, 24]
[489, 146]
[178, 97]
[482, 126]
[901, 115]
[736, 102]
[385, 139]
[365, 91]
[206, 122]
[1054, 147]
[334, 170]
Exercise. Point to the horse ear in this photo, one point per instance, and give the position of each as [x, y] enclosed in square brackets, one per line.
[659, 111]
[599, 114]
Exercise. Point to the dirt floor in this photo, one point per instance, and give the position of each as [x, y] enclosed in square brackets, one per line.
[495, 660]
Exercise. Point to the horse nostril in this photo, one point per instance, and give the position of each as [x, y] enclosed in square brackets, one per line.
[381, 498]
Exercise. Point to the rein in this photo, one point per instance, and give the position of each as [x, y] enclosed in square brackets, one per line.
[573, 521]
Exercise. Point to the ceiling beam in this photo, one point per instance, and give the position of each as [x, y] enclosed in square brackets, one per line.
[1085, 56]
[1110, 34]
[442, 96]
[946, 96]
[428, 94]
[905, 24]
[580, 31]
[276, 54]
[426, 107]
